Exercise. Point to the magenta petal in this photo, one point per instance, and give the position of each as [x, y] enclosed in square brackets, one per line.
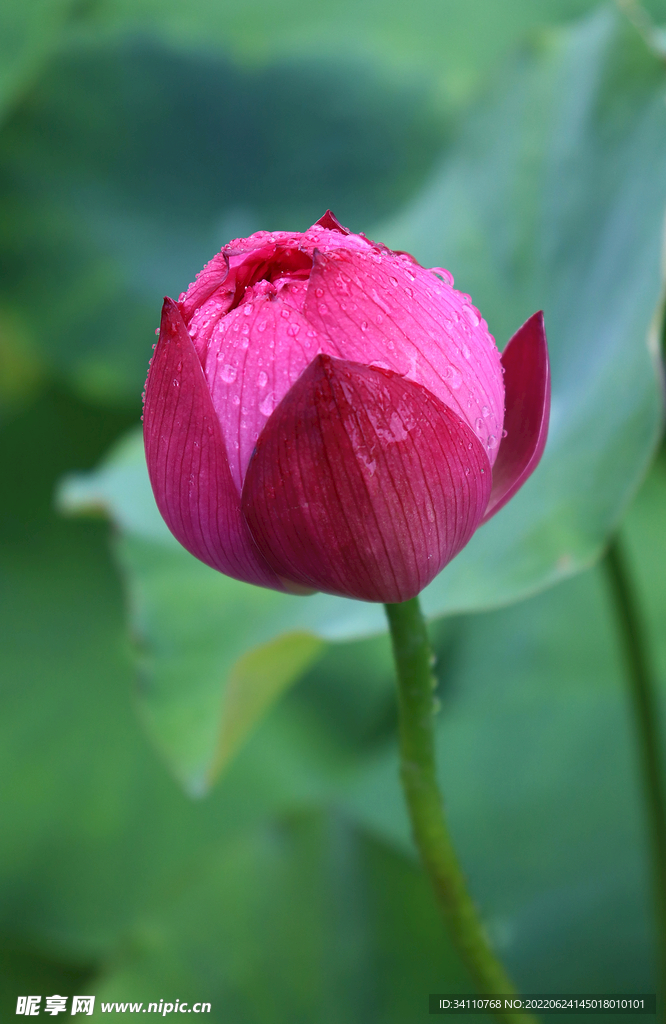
[527, 401]
[376, 308]
[187, 460]
[330, 221]
[363, 483]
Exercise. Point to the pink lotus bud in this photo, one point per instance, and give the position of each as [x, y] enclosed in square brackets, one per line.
[322, 413]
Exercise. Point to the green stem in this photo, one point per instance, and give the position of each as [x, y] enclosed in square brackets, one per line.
[643, 695]
[413, 657]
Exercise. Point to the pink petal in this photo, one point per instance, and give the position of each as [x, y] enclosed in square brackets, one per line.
[330, 221]
[363, 484]
[527, 387]
[378, 307]
[256, 352]
[187, 460]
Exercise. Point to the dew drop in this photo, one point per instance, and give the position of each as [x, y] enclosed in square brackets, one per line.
[286, 313]
[452, 377]
[262, 326]
[471, 315]
[492, 441]
[379, 318]
[245, 328]
[393, 281]
[176, 384]
[485, 411]
[323, 309]
[293, 330]
[466, 352]
[478, 425]
[248, 309]
[504, 433]
[445, 274]
[319, 292]
[268, 404]
[364, 325]
[262, 379]
[236, 400]
[228, 373]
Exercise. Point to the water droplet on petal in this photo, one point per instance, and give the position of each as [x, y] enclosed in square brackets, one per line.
[286, 313]
[471, 315]
[504, 433]
[444, 273]
[293, 329]
[228, 373]
[393, 281]
[485, 411]
[236, 400]
[452, 376]
[466, 352]
[262, 379]
[323, 309]
[492, 441]
[268, 404]
[319, 292]
[262, 326]
[364, 325]
[478, 425]
[176, 383]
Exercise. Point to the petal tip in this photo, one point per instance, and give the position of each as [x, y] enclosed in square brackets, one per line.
[527, 395]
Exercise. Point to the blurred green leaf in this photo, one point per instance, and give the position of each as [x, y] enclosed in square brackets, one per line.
[299, 920]
[553, 198]
[29, 32]
[452, 42]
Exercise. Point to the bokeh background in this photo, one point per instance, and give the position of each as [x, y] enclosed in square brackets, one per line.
[136, 138]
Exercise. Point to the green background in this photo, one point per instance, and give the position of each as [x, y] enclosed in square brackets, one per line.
[522, 145]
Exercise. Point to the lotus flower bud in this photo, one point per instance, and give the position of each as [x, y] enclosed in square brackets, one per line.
[322, 413]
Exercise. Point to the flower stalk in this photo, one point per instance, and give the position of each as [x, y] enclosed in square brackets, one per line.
[413, 658]
[643, 696]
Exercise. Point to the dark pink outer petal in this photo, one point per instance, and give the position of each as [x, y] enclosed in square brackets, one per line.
[363, 483]
[187, 460]
[527, 398]
[330, 221]
[381, 308]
